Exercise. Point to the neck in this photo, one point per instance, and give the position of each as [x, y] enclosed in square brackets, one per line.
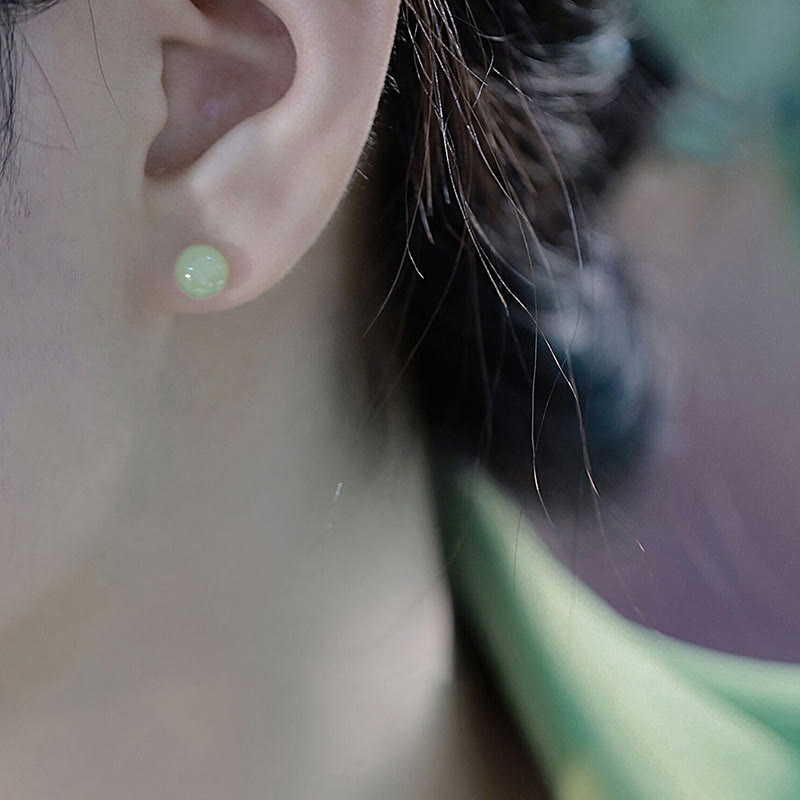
[245, 604]
[266, 401]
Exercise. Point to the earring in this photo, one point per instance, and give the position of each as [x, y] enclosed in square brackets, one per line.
[201, 271]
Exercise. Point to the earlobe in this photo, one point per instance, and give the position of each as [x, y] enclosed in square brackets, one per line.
[268, 114]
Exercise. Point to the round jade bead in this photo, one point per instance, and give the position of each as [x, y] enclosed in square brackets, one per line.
[201, 271]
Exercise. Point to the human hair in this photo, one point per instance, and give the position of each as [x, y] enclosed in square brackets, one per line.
[499, 124]
[503, 121]
[11, 12]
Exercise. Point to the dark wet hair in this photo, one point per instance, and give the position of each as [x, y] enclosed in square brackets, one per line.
[501, 121]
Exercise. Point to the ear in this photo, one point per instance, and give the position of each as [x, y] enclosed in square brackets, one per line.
[269, 107]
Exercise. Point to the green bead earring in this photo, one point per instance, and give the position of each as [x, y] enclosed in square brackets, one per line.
[201, 271]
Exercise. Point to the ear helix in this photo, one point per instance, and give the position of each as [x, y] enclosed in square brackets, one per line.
[201, 271]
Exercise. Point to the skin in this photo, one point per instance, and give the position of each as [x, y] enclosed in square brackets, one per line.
[217, 579]
[205, 552]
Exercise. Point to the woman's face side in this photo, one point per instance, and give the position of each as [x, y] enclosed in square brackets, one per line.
[144, 128]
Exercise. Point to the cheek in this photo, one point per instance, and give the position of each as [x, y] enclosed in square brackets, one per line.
[74, 370]
[63, 455]
[73, 373]
[70, 392]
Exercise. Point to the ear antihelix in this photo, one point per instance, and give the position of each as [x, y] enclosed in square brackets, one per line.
[246, 66]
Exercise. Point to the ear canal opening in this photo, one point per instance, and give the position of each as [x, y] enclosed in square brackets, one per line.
[248, 68]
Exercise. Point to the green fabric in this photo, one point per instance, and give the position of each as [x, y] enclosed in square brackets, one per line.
[612, 710]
